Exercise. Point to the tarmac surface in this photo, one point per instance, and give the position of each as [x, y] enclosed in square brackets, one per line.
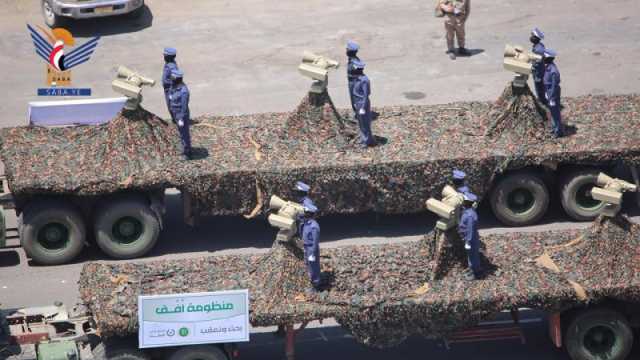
[241, 57]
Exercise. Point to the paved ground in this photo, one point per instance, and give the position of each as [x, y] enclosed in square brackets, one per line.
[240, 57]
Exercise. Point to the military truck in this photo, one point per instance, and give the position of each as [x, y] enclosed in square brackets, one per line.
[106, 183]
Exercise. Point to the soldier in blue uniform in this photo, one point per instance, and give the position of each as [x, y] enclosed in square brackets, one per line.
[169, 65]
[468, 230]
[538, 67]
[311, 242]
[458, 181]
[360, 93]
[352, 51]
[179, 108]
[551, 82]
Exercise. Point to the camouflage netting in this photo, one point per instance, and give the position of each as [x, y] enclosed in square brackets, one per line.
[241, 160]
[372, 289]
[518, 116]
[134, 150]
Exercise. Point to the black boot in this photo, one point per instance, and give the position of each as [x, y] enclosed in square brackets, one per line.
[463, 52]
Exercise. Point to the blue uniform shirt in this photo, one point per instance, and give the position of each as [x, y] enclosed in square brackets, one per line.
[166, 75]
[468, 227]
[179, 102]
[538, 66]
[311, 236]
[551, 82]
[361, 92]
[463, 189]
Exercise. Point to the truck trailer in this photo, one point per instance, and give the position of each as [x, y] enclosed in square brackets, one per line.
[106, 183]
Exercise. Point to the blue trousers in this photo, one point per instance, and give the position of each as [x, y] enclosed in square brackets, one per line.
[313, 267]
[473, 258]
[364, 123]
[166, 99]
[540, 92]
[185, 137]
[556, 119]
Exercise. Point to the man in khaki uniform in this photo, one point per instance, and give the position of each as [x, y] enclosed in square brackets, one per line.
[456, 13]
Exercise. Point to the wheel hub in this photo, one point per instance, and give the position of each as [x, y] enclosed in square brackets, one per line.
[53, 236]
[520, 200]
[599, 340]
[127, 230]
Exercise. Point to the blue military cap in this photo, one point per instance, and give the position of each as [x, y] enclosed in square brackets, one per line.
[169, 51]
[300, 186]
[459, 174]
[310, 208]
[352, 46]
[358, 64]
[537, 33]
[177, 73]
[469, 196]
[550, 53]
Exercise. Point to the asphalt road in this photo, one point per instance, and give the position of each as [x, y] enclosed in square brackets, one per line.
[241, 57]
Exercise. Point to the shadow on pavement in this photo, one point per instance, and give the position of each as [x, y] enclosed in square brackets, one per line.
[473, 52]
[110, 25]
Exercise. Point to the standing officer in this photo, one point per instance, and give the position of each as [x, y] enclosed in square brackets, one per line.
[456, 13]
[360, 93]
[458, 181]
[179, 108]
[169, 65]
[352, 51]
[551, 82]
[468, 230]
[538, 67]
[311, 242]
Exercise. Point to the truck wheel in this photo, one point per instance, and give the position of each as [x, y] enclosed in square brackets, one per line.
[106, 352]
[50, 18]
[52, 232]
[520, 199]
[200, 352]
[576, 195]
[126, 228]
[599, 334]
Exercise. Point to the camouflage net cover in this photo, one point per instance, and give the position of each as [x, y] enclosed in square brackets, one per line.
[372, 290]
[242, 160]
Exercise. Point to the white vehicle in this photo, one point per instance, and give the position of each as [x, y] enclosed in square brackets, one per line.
[55, 11]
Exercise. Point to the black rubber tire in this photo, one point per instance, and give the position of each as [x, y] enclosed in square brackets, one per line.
[579, 344]
[529, 183]
[50, 18]
[126, 207]
[569, 187]
[41, 213]
[3, 229]
[118, 352]
[198, 352]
